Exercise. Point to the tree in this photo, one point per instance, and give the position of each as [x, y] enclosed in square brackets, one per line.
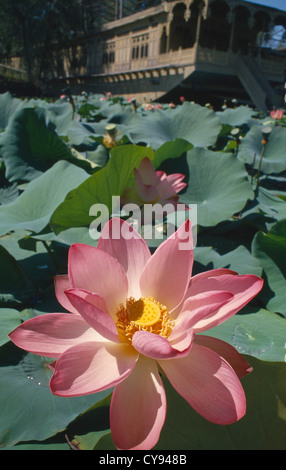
[31, 28]
[38, 31]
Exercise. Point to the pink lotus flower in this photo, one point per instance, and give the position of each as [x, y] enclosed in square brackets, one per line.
[277, 114]
[151, 186]
[132, 312]
[149, 107]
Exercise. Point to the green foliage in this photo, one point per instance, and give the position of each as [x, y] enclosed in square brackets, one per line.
[218, 184]
[99, 188]
[28, 28]
[55, 165]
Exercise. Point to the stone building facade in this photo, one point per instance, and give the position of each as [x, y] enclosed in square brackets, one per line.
[197, 47]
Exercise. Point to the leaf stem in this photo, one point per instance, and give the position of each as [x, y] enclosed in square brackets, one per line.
[259, 166]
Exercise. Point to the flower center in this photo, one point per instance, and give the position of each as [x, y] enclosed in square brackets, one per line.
[144, 314]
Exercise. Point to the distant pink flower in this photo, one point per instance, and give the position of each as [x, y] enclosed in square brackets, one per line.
[132, 312]
[149, 107]
[277, 114]
[182, 99]
[151, 186]
[172, 105]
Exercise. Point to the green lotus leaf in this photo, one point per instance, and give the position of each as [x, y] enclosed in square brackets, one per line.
[8, 106]
[15, 286]
[30, 146]
[239, 260]
[99, 188]
[9, 319]
[236, 116]
[273, 160]
[29, 411]
[270, 248]
[33, 208]
[218, 185]
[262, 428]
[194, 123]
[256, 332]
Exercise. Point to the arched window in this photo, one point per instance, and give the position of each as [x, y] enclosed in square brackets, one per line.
[244, 38]
[182, 32]
[216, 29]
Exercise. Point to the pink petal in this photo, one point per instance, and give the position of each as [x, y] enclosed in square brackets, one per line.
[86, 304]
[243, 288]
[195, 286]
[160, 175]
[203, 305]
[228, 352]
[171, 185]
[62, 284]
[182, 334]
[208, 383]
[53, 333]
[147, 192]
[167, 273]
[92, 367]
[138, 408]
[96, 271]
[157, 347]
[129, 248]
[147, 172]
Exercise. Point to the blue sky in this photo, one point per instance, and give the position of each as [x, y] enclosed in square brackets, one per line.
[280, 4]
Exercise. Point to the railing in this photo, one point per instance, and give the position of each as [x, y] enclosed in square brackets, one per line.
[251, 84]
[12, 73]
[272, 68]
[256, 70]
[177, 58]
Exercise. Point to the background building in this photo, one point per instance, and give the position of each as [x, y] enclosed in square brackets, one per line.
[206, 50]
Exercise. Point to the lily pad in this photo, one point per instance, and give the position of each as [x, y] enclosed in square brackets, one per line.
[194, 123]
[239, 260]
[256, 332]
[273, 160]
[29, 411]
[8, 106]
[218, 184]
[236, 116]
[15, 286]
[99, 189]
[9, 319]
[262, 428]
[269, 249]
[34, 207]
[30, 146]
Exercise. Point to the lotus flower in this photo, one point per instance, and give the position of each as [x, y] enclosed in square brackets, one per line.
[277, 114]
[149, 107]
[133, 314]
[151, 186]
